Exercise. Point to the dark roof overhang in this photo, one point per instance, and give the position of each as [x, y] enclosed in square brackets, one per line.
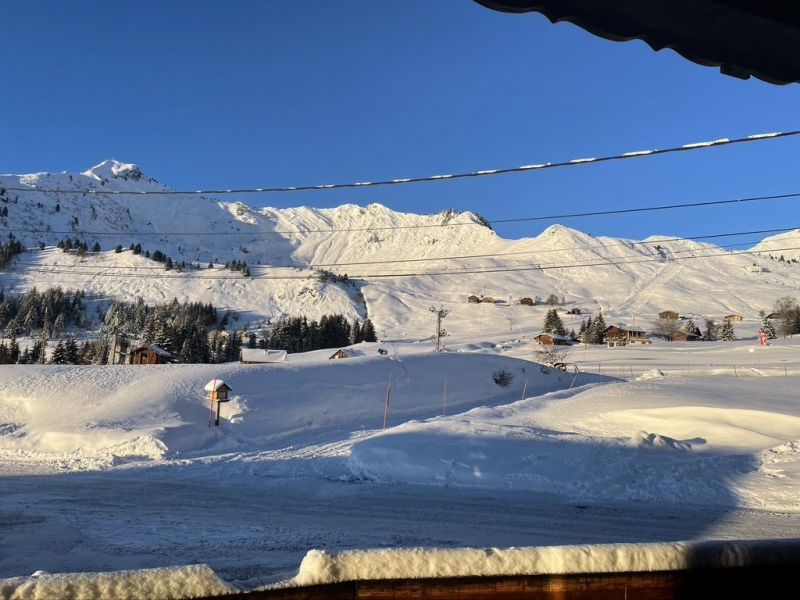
[742, 37]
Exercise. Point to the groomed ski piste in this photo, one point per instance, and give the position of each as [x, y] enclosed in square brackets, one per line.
[116, 468]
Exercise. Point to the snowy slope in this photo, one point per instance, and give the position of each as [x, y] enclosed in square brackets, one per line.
[79, 418]
[626, 280]
[719, 440]
[784, 244]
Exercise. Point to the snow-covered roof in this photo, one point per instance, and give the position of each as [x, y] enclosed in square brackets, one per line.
[257, 355]
[215, 385]
[155, 348]
[555, 336]
[626, 328]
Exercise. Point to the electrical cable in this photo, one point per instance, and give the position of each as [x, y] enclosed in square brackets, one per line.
[431, 178]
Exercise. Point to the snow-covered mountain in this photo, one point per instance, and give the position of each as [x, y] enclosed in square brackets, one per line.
[387, 252]
[784, 244]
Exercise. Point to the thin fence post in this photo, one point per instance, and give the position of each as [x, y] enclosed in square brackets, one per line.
[388, 399]
[524, 389]
[444, 397]
[734, 371]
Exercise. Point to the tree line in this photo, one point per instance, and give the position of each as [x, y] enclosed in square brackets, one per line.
[9, 249]
[298, 334]
[51, 311]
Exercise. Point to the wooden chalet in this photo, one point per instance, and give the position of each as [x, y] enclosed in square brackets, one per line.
[473, 299]
[488, 300]
[574, 311]
[340, 353]
[553, 339]
[526, 301]
[733, 318]
[616, 335]
[773, 316]
[150, 354]
[668, 314]
[683, 336]
[257, 356]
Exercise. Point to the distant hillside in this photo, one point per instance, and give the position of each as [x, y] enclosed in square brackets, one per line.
[384, 252]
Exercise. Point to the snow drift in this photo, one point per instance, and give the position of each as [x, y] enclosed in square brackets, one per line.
[165, 584]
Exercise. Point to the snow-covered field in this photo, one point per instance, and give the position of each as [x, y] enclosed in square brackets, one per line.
[108, 468]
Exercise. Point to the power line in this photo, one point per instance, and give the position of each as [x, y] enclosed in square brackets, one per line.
[431, 178]
[640, 209]
[604, 262]
[472, 256]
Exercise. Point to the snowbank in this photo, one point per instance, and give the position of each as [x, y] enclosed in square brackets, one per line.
[191, 581]
[320, 567]
[715, 444]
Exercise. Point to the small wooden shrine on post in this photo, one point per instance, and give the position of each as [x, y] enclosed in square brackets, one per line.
[217, 392]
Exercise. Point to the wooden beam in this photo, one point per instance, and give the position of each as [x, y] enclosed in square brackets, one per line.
[776, 582]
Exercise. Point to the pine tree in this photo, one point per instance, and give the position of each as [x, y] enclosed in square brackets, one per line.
[59, 355]
[71, 351]
[368, 332]
[769, 328]
[726, 333]
[234, 346]
[598, 329]
[13, 351]
[58, 325]
[96, 247]
[25, 358]
[118, 249]
[355, 332]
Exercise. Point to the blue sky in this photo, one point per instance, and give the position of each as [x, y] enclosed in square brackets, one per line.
[241, 93]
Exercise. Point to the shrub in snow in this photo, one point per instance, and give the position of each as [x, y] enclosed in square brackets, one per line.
[502, 377]
[551, 355]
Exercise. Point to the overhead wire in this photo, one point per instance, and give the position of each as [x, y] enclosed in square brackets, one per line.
[639, 209]
[604, 262]
[624, 244]
[431, 178]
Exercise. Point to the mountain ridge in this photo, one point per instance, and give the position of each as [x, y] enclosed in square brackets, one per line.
[421, 259]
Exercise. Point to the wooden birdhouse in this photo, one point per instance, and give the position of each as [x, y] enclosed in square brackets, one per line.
[217, 392]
